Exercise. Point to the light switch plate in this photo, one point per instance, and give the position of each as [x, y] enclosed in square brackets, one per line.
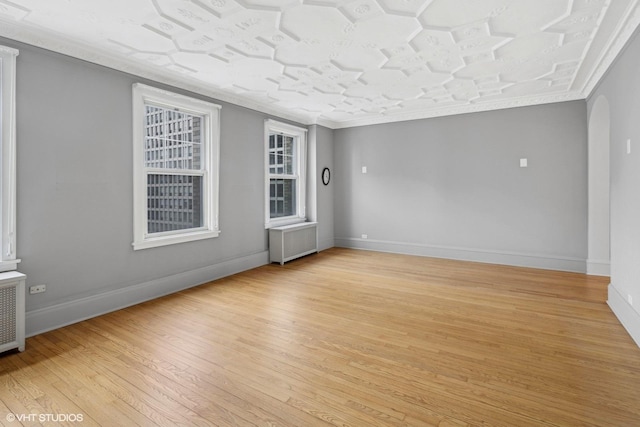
[523, 163]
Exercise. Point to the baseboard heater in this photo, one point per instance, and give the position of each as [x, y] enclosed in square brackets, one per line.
[292, 241]
[12, 311]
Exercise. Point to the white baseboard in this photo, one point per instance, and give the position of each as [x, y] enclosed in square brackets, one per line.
[577, 265]
[625, 313]
[59, 315]
[596, 267]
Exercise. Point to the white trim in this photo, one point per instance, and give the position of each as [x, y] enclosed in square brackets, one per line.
[281, 222]
[277, 126]
[9, 265]
[6, 50]
[598, 267]
[518, 259]
[628, 317]
[67, 313]
[160, 96]
[192, 236]
[8, 258]
[301, 163]
[142, 95]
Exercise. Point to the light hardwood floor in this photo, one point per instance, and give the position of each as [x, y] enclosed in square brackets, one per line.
[344, 338]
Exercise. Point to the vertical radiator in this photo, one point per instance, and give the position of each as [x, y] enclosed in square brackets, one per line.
[12, 311]
[292, 241]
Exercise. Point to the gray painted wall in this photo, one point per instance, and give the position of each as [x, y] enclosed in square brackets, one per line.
[453, 187]
[325, 195]
[621, 88]
[74, 194]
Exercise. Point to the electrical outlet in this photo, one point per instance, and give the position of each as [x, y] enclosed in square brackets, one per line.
[365, 236]
[630, 299]
[628, 146]
[364, 169]
[37, 289]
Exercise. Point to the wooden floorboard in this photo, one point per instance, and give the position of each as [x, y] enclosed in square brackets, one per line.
[343, 338]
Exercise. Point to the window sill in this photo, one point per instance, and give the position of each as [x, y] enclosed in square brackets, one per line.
[154, 242]
[284, 221]
[9, 265]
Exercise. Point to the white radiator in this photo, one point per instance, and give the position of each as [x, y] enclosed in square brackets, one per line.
[12, 311]
[292, 241]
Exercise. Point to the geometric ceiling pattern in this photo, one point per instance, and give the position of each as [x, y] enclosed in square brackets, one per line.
[343, 63]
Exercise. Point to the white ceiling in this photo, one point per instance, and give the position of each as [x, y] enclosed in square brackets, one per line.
[343, 63]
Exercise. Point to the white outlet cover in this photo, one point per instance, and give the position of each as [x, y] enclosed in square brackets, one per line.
[364, 169]
[37, 289]
[523, 163]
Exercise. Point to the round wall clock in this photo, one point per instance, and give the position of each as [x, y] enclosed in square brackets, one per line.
[326, 176]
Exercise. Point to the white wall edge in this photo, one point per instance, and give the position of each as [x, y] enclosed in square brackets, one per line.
[576, 265]
[625, 313]
[67, 313]
[596, 267]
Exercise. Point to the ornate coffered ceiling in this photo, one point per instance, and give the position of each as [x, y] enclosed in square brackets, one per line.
[343, 63]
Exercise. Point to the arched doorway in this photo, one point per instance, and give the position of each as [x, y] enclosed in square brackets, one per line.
[598, 260]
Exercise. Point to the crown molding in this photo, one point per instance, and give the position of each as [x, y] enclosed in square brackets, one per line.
[621, 36]
[400, 116]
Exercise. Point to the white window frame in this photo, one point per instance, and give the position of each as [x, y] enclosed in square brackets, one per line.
[8, 260]
[300, 136]
[210, 113]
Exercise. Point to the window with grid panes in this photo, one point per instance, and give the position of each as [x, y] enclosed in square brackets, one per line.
[176, 146]
[285, 154]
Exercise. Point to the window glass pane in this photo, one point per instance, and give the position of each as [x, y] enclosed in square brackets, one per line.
[174, 202]
[173, 139]
[288, 155]
[282, 160]
[282, 197]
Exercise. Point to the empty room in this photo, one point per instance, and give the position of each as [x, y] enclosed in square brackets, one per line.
[320, 213]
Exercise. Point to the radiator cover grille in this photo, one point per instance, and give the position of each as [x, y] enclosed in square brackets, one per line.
[7, 315]
[12, 327]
